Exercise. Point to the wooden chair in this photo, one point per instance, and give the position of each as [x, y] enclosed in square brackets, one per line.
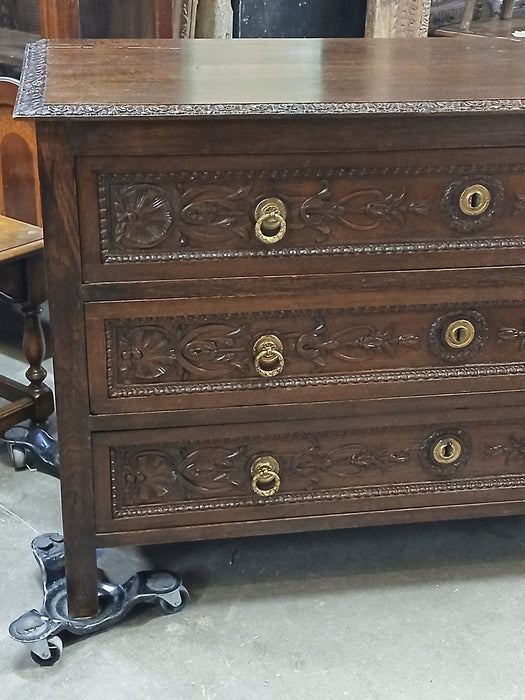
[507, 7]
[22, 274]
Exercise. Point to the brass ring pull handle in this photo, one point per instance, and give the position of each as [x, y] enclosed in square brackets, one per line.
[474, 200]
[270, 221]
[460, 333]
[265, 476]
[268, 356]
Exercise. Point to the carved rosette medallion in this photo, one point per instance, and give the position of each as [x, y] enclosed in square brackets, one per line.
[456, 218]
[145, 353]
[437, 338]
[142, 216]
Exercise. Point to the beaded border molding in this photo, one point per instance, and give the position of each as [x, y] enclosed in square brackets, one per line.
[31, 103]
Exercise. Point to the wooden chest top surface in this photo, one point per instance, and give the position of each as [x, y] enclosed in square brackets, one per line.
[159, 78]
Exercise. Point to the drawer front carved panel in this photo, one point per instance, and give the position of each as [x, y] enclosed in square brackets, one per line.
[374, 210]
[160, 358]
[183, 472]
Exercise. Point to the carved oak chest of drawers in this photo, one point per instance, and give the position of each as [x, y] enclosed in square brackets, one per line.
[286, 284]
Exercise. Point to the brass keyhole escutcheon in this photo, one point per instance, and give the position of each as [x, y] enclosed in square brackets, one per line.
[447, 450]
[270, 220]
[265, 475]
[268, 356]
[460, 333]
[474, 200]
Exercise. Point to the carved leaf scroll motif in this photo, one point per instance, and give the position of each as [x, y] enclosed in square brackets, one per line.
[351, 344]
[191, 210]
[147, 353]
[198, 470]
[359, 210]
[167, 351]
[344, 461]
[213, 213]
[512, 451]
[513, 335]
[150, 475]
[519, 205]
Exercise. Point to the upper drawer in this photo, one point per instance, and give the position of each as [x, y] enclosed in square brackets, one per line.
[239, 351]
[176, 217]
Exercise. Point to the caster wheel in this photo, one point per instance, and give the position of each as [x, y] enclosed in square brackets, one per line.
[18, 457]
[55, 652]
[169, 608]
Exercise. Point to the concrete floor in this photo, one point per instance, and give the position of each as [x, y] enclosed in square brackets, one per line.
[431, 611]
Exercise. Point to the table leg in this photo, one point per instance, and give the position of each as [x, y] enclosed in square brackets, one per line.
[507, 7]
[33, 339]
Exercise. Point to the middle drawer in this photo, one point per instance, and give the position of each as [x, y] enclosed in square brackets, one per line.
[236, 351]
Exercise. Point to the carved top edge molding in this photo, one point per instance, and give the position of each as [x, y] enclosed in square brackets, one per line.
[31, 102]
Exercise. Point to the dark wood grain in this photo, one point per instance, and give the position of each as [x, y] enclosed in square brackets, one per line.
[63, 258]
[272, 76]
[335, 521]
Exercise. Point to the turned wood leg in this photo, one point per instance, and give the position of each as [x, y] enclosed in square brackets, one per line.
[507, 7]
[34, 347]
[468, 14]
[33, 340]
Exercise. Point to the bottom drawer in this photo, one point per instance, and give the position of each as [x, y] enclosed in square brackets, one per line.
[183, 477]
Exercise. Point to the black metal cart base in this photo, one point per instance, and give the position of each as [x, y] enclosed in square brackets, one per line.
[40, 630]
[32, 448]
